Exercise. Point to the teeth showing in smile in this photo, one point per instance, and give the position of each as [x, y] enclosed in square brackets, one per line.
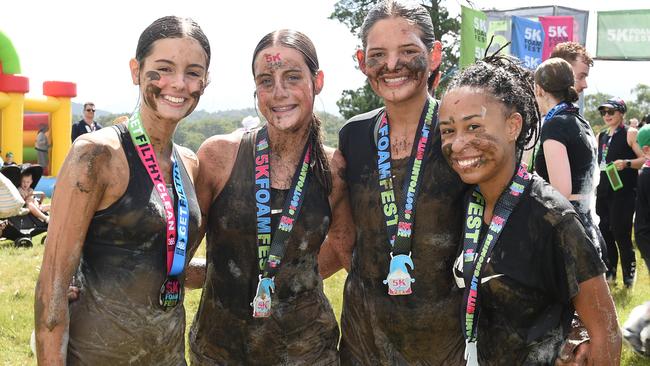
[468, 162]
[282, 109]
[174, 99]
[395, 80]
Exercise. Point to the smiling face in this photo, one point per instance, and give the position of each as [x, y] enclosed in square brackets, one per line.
[396, 61]
[285, 88]
[172, 78]
[478, 135]
[612, 117]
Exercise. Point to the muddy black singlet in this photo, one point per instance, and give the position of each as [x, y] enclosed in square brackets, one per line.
[117, 319]
[302, 328]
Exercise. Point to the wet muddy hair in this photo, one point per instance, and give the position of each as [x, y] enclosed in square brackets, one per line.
[555, 76]
[412, 11]
[300, 42]
[506, 80]
[170, 27]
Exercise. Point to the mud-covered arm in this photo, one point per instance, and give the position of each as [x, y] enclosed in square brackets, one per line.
[336, 250]
[79, 191]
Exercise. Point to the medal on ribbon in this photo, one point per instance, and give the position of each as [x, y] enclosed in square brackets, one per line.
[171, 293]
[262, 302]
[399, 279]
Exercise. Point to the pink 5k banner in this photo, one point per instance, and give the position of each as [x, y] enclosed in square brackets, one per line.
[557, 29]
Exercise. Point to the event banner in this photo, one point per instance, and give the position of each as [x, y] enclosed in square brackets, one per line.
[473, 35]
[557, 30]
[623, 35]
[500, 22]
[527, 41]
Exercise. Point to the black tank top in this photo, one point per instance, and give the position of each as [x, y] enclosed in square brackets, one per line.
[422, 328]
[618, 149]
[302, 328]
[117, 319]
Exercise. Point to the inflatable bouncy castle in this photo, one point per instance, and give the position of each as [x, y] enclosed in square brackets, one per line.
[56, 103]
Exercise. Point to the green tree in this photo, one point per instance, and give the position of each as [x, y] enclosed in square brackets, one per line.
[591, 114]
[352, 13]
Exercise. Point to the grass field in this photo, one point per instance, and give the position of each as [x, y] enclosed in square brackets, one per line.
[19, 269]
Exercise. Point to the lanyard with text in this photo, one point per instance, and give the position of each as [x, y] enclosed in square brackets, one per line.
[176, 231]
[271, 250]
[399, 222]
[475, 256]
[605, 149]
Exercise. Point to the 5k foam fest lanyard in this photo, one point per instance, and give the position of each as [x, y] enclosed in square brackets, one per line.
[475, 256]
[399, 224]
[271, 250]
[176, 231]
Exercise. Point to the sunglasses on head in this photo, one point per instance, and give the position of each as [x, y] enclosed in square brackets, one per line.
[90, 110]
[609, 112]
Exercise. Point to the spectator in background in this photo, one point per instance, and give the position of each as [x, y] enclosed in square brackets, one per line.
[642, 216]
[9, 159]
[576, 55]
[617, 145]
[634, 123]
[87, 123]
[42, 146]
[645, 120]
[567, 154]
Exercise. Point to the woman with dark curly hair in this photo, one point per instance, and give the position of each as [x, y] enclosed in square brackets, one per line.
[526, 263]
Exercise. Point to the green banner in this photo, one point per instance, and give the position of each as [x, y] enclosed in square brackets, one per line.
[473, 35]
[624, 35]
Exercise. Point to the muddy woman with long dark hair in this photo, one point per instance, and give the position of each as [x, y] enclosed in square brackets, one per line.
[269, 198]
[125, 214]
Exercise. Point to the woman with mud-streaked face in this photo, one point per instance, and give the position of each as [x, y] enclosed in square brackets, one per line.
[525, 264]
[125, 219]
[398, 300]
[263, 300]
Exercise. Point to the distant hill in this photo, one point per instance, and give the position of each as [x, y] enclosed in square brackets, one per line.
[200, 125]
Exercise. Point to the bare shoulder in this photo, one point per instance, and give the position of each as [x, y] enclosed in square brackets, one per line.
[102, 146]
[189, 158]
[217, 156]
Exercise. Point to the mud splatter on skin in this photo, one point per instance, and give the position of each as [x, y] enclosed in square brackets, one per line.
[90, 160]
[151, 92]
[417, 68]
[196, 96]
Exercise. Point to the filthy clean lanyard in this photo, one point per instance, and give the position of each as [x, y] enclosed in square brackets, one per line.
[475, 256]
[605, 149]
[271, 250]
[176, 232]
[399, 222]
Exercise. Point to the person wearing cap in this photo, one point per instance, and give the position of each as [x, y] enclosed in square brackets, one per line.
[87, 123]
[642, 216]
[617, 147]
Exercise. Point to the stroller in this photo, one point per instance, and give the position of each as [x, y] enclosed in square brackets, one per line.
[23, 227]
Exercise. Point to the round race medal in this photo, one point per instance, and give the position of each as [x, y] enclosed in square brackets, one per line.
[170, 293]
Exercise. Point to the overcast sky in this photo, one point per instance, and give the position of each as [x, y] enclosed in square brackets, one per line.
[90, 43]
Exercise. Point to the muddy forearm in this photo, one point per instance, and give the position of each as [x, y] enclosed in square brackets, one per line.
[52, 324]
